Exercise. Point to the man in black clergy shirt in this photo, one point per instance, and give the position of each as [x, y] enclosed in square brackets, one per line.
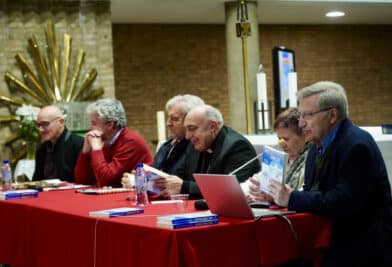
[216, 149]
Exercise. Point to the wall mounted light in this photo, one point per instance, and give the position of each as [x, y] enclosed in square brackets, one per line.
[334, 14]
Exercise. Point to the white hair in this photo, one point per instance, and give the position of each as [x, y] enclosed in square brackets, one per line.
[331, 95]
[109, 110]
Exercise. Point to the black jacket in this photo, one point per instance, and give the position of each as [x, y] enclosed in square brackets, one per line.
[355, 194]
[230, 151]
[66, 151]
[171, 163]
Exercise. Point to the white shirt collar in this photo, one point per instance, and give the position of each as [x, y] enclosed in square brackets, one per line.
[115, 137]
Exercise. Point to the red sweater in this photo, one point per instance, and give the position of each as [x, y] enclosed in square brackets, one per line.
[105, 167]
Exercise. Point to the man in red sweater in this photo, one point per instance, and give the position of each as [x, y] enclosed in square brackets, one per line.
[109, 148]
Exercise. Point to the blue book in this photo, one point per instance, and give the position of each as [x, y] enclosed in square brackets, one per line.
[109, 213]
[273, 166]
[186, 225]
[16, 194]
[186, 218]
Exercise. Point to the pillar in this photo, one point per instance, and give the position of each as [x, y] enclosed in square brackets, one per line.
[237, 106]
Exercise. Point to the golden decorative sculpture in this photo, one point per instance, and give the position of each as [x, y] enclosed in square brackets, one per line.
[57, 80]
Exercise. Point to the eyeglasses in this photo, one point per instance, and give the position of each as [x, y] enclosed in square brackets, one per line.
[45, 124]
[309, 115]
[175, 119]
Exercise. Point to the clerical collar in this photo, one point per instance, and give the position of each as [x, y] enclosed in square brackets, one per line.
[115, 137]
[213, 145]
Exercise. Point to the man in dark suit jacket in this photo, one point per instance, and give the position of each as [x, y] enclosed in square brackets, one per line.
[345, 180]
[216, 149]
[171, 154]
[56, 157]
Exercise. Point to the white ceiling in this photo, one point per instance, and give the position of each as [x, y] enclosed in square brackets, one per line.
[268, 11]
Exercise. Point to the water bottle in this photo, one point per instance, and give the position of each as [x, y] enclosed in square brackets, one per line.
[141, 186]
[6, 174]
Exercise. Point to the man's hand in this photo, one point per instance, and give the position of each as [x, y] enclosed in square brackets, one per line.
[172, 184]
[128, 180]
[95, 139]
[254, 191]
[280, 193]
[86, 145]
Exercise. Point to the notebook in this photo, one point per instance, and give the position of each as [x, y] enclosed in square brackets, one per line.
[224, 197]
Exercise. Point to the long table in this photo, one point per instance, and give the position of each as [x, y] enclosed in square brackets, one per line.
[56, 230]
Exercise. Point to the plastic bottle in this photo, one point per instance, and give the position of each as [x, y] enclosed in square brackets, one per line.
[6, 176]
[141, 186]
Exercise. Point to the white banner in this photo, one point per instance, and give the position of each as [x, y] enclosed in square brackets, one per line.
[262, 98]
[293, 89]
[161, 126]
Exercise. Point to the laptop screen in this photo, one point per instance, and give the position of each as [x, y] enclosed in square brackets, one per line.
[224, 195]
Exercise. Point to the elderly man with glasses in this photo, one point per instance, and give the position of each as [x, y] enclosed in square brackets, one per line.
[56, 157]
[171, 154]
[345, 180]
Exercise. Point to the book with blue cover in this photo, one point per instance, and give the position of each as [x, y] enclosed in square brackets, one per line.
[116, 212]
[187, 218]
[180, 225]
[273, 167]
[17, 194]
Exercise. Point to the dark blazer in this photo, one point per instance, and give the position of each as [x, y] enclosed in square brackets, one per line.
[171, 163]
[356, 195]
[230, 150]
[66, 151]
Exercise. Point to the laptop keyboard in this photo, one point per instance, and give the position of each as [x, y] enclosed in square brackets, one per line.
[268, 212]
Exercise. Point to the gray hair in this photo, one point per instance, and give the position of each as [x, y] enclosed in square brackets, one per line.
[331, 95]
[188, 102]
[109, 110]
[213, 114]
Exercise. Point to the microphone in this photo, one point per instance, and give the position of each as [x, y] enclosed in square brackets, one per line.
[246, 164]
[201, 204]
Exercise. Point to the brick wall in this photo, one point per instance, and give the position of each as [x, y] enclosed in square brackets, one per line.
[87, 22]
[358, 57]
[155, 62]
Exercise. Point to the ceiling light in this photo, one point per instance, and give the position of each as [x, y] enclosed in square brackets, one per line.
[333, 14]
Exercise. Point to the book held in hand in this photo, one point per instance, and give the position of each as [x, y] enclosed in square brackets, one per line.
[187, 218]
[116, 212]
[16, 194]
[273, 166]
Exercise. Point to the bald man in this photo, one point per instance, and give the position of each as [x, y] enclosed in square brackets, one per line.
[56, 157]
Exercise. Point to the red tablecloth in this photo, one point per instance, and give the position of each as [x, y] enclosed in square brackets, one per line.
[56, 230]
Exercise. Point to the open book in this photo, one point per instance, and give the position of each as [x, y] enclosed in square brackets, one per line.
[152, 174]
[273, 166]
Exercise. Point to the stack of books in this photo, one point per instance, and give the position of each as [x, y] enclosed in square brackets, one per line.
[178, 221]
[15, 194]
[116, 212]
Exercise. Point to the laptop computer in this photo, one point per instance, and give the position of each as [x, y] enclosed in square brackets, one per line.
[224, 197]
